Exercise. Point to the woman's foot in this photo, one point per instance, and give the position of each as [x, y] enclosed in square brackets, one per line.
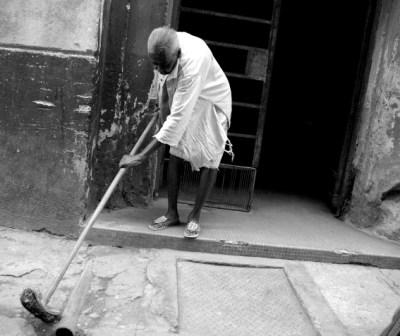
[192, 229]
[164, 222]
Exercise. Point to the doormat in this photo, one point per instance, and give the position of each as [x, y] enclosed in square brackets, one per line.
[238, 300]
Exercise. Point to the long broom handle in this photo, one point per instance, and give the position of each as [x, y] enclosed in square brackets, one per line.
[98, 210]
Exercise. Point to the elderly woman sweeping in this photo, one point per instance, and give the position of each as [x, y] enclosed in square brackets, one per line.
[195, 105]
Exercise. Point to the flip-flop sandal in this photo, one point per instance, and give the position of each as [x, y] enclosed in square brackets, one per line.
[162, 223]
[190, 233]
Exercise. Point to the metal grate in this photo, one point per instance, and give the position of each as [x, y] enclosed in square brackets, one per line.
[233, 189]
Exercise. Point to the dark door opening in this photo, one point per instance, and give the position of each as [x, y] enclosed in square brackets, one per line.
[314, 76]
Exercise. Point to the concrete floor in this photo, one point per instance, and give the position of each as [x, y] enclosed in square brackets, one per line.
[279, 225]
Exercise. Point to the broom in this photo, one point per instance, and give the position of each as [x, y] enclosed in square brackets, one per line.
[32, 300]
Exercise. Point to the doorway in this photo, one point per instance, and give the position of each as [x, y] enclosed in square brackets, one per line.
[295, 72]
[319, 55]
[310, 74]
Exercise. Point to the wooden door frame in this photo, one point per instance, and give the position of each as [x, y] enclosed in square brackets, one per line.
[343, 187]
[172, 19]
[173, 13]
[267, 83]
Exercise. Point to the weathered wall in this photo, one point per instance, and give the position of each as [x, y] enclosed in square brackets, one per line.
[125, 100]
[375, 201]
[49, 73]
[51, 24]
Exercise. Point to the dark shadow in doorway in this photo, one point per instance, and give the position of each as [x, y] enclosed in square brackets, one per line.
[314, 76]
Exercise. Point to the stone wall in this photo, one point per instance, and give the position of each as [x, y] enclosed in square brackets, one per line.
[375, 203]
[49, 82]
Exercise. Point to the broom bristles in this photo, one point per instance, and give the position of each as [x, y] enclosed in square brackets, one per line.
[31, 302]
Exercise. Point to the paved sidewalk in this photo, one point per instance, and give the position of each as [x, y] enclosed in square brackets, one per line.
[150, 292]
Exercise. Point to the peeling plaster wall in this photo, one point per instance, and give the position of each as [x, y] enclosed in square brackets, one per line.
[375, 201]
[126, 101]
[49, 74]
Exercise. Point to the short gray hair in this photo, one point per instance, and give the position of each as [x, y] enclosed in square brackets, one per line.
[163, 40]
